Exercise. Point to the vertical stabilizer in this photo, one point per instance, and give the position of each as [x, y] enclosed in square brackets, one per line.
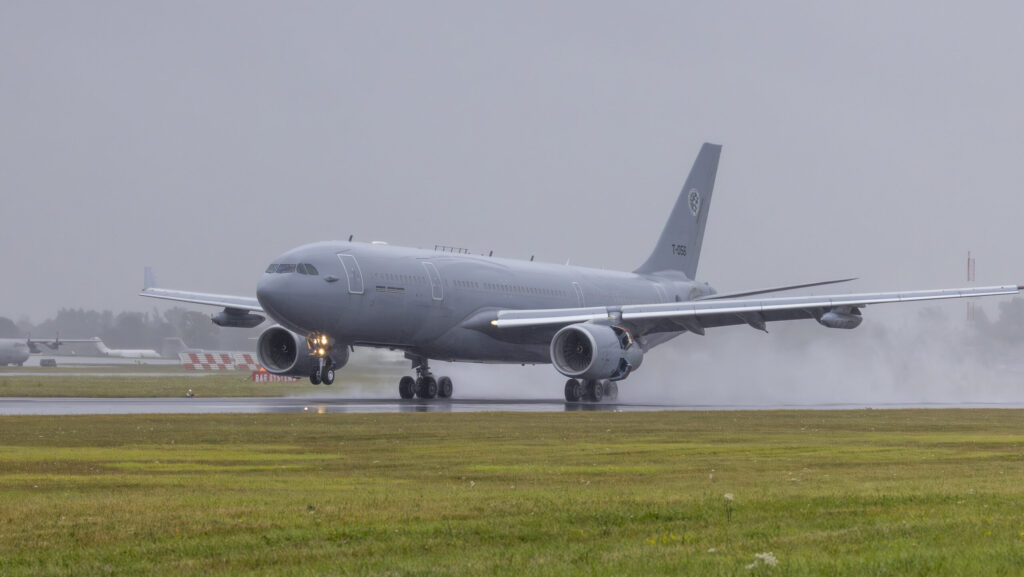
[678, 248]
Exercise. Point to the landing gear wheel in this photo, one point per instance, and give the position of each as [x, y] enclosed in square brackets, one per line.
[427, 388]
[407, 387]
[444, 388]
[573, 391]
[595, 391]
[327, 376]
[314, 377]
[611, 391]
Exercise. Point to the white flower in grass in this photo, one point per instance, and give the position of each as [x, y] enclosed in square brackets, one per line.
[768, 559]
[728, 496]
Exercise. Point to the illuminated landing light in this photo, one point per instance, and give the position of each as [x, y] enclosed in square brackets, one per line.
[319, 344]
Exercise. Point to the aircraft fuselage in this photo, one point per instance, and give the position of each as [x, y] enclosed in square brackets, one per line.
[425, 301]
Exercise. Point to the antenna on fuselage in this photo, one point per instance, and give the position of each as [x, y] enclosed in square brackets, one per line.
[531, 258]
[350, 237]
[490, 253]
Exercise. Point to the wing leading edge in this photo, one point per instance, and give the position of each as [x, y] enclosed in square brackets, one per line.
[216, 300]
[229, 302]
[721, 312]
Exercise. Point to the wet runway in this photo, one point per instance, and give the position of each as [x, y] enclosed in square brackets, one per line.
[138, 406]
[132, 406]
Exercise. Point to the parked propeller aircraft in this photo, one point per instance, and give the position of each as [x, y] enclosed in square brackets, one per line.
[17, 351]
[594, 326]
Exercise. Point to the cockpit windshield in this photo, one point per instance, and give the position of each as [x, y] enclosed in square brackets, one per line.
[301, 268]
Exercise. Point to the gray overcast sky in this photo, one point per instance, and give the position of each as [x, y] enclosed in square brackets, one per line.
[875, 139]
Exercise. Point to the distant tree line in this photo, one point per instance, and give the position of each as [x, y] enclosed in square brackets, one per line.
[135, 330]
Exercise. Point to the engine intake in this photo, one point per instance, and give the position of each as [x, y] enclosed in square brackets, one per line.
[589, 351]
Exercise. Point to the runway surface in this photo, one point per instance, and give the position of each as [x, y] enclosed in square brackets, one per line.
[137, 406]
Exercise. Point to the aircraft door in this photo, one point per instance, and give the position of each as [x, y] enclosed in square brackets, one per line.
[352, 272]
[579, 293]
[436, 290]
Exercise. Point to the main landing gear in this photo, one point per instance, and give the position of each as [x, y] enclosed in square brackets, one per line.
[323, 372]
[424, 386]
[592, 390]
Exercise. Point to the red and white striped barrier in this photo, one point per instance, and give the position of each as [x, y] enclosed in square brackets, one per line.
[207, 361]
[246, 362]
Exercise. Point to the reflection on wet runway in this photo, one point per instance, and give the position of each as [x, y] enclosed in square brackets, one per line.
[125, 406]
[135, 406]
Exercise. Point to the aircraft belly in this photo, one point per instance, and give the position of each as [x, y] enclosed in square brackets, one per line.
[461, 344]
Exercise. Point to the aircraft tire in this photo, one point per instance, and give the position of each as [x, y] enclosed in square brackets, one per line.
[573, 391]
[314, 377]
[445, 388]
[595, 391]
[611, 391]
[327, 376]
[427, 388]
[407, 387]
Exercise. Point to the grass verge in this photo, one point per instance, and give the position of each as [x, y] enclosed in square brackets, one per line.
[920, 492]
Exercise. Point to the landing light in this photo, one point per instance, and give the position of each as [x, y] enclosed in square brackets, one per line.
[321, 352]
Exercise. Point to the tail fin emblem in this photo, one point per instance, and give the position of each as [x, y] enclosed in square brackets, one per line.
[694, 199]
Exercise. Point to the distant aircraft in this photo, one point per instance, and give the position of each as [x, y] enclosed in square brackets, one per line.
[17, 351]
[594, 326]
[124, 353]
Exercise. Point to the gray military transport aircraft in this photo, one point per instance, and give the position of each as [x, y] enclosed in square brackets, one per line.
[17, 351]
[594, 326]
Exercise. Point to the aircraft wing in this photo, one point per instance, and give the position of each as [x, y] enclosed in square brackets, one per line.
[215, 300]
[52, 344]
[700, 314]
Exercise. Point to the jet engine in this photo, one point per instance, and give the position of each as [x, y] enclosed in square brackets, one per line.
[283, 352]
[589, 351]
[842, 318]
[237, 319]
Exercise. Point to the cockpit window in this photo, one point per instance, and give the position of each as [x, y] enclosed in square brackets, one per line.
[301, 268]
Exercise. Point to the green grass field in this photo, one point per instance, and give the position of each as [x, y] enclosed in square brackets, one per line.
[924, 492]
[174, 382]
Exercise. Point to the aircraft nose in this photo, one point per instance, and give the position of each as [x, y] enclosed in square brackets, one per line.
[270, 291]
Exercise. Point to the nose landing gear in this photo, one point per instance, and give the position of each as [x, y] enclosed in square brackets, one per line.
[319, 345]
[323, 372]
[424, 386]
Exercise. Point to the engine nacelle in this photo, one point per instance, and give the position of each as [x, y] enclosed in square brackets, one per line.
[842, 318]
[283, 352]
[236, 318]
[589, 351]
